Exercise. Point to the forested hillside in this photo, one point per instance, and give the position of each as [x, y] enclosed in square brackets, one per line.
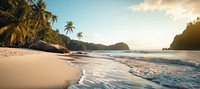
[189, 39]
[80, 45]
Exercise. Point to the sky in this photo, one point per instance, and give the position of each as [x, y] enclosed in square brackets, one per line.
[142, 24]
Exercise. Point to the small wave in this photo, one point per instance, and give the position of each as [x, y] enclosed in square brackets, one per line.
[82, 77]
[161, 60]
[131, 51]
[73, 87]
[177, 76]
[179, 62]
[169, 61]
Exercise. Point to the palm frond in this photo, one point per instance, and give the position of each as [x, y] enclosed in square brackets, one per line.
[3, 29]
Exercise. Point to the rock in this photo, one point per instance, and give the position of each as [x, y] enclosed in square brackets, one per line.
[44, 46]
[189, 39]
[80, 53]
[118, 46]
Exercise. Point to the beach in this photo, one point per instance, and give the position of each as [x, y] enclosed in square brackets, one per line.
[103, 72]
[128, 69]
[25, 68]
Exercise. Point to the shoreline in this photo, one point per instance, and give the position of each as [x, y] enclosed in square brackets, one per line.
[163, 72]
[27, 68]
[101, 75]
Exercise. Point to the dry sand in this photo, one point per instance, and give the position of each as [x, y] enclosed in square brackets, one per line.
[24, 68]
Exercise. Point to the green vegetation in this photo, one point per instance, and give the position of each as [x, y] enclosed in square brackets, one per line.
[81, 46]
[69, 27]
[79, 36]
[51, 36]
[65, 39]
[22, 23]
[75, 45]
[118, 46]
[189, 39]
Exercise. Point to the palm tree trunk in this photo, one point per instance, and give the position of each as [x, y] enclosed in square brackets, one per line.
[67, 32]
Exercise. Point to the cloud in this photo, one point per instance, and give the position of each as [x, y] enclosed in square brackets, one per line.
[94, 36]
[138, 44]
[176, 9]
[123, 32]
[122, 18]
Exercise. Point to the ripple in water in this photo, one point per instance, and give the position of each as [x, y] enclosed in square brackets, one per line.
[99, 72]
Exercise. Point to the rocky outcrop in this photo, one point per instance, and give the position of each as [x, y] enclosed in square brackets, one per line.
[44, 46]
[118, 46]
[189, 39]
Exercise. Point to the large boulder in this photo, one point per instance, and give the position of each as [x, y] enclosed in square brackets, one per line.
[44, 46]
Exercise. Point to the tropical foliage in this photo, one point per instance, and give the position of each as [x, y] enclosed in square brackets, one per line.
[21, 21]
[189, 39]
[51, 36]
[69, 27]
[79, 36]
[65, 39]
[81, 46]
[75, 45]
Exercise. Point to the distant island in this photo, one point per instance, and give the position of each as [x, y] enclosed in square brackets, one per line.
[189, 39]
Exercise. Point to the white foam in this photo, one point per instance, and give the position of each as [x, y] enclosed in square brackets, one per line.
[103, 73]
[106, 86]
[82, 77]
[73, 87]
[179, 76]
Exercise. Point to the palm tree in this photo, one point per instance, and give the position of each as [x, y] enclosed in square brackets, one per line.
[41, 17]
[57, 30]
[69, 27]
[54, 19]
[40, 14]
[30, 1]
[79, 36]
[17, 29]
[20, 21]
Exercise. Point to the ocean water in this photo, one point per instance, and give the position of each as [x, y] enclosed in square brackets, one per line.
[135, 69]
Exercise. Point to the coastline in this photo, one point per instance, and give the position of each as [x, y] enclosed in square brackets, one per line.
[97, 73]
[159, 72]
[26, 68]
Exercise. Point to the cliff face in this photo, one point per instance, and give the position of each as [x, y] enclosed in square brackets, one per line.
[189, 39]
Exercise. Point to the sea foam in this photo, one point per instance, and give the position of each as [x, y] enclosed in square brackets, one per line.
[172, 73]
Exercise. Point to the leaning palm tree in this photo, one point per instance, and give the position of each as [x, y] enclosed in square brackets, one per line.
[20, 21]
[17, 30]
[41, 17]
[69, 27]
[79, 36]
[40, 14]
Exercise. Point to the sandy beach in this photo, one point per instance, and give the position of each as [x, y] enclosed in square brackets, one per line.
[25, 68]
